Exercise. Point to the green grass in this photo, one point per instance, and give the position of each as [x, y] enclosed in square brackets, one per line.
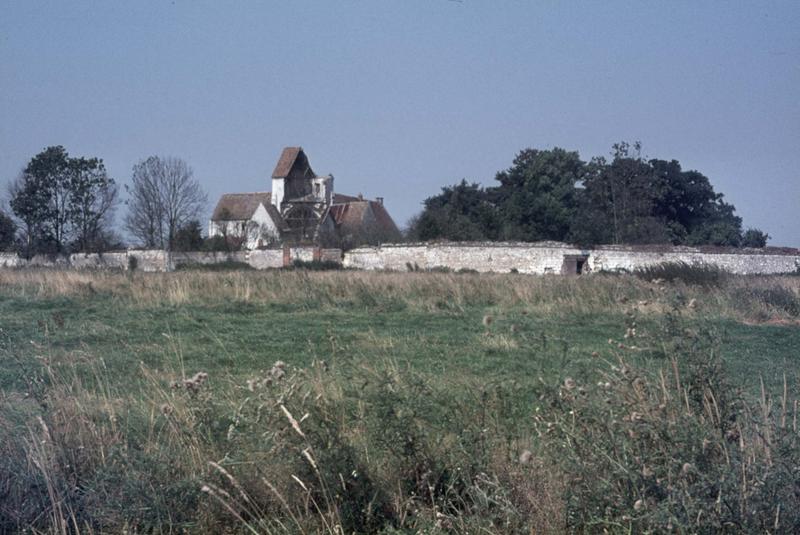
[240, 338]
[455, 365]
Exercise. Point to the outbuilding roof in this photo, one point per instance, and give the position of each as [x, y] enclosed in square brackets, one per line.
[351, 215]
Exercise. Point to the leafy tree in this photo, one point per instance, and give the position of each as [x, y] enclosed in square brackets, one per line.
[537, 194]
[460, 213]
[694, 213]
[27, 206]
[753, 237]
[630, 200]
[720, 227]
[553, 195]
[189, 237]
[617, 201]
[41, 198]
[163, 198]
[8, 232]
[58, 198]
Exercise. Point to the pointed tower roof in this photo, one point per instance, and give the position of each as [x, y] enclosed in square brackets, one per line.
[290, 157]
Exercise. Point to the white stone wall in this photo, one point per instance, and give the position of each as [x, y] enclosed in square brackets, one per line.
[482, 258]
[151, 260]
[114, 260]
[11, 260]
[540, 258]
[549, 257]
[739, 263]
[266, 258]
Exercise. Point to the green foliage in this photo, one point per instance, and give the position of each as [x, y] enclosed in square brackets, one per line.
[554, 195]
[537, 194]
[59, 199]
[189, 237]
[460, 213]
[753, 237]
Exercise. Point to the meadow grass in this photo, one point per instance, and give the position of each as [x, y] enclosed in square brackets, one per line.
[360, 402]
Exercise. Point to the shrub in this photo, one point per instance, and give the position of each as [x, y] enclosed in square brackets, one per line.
[675, 451]
[775, 298]
[692, 274]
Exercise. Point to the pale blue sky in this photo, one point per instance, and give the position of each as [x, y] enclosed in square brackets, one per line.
[398, 98]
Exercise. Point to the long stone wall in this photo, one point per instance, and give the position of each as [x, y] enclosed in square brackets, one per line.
[533, 258]
[550, 257]
[157, 260]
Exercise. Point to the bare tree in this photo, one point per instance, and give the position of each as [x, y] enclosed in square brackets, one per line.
[163, 197]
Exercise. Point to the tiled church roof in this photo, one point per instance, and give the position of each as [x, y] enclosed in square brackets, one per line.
[241, 206]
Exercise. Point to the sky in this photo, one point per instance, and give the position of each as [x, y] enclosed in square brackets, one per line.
[398, 98]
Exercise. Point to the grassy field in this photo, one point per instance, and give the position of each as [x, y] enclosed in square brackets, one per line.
[340, 402]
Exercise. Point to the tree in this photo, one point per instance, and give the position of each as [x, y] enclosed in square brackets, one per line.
[460, 213]
[57, 197]
[41, 198]
[189, 237]
[8, 231]
[753, 237]
[554, 195]
[537, 194]
[630, 200]
[163, 198]
[92, 200]
[693, 211]
[616, 203]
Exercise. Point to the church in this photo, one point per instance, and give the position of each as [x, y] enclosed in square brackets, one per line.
[302, 208]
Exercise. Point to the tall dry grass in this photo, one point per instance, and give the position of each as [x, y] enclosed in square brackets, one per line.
[740, 297]
[375, 447]
[314, 450]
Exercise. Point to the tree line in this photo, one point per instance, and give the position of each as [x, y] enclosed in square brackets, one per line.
[63, 204]
[554, 195]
